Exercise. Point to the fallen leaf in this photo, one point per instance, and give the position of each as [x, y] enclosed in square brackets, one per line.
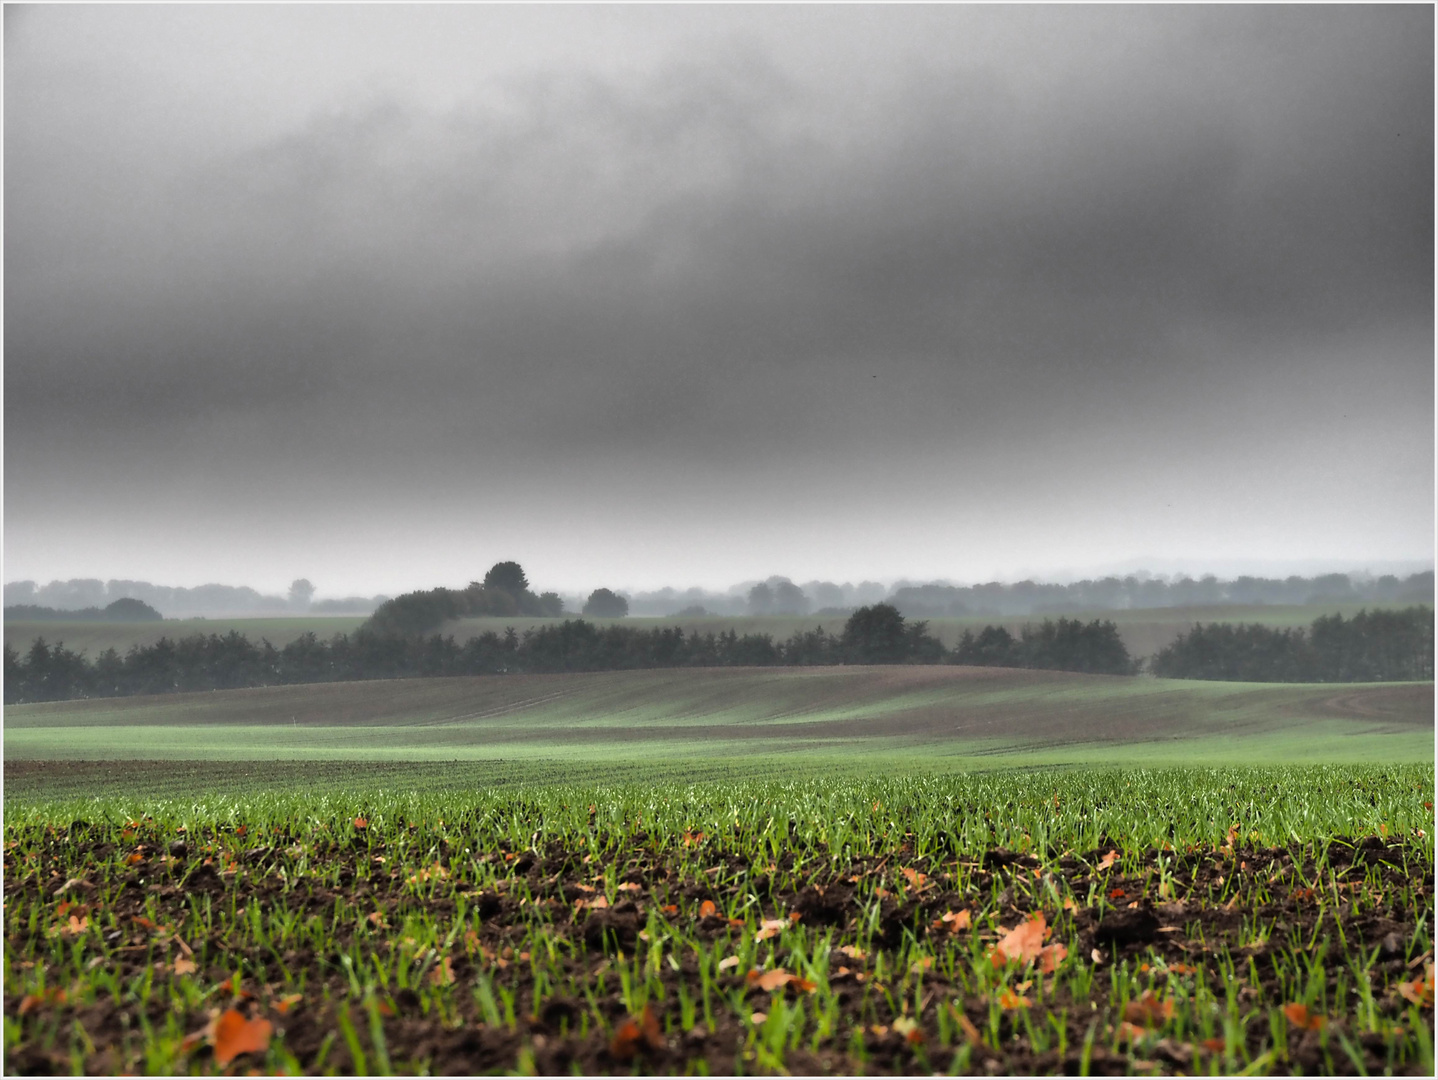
[234, 1035]
[1418, 991]
[596, 904]
[1023, 943]
[916, 880]
[853, 952]
[1108, 860]
[1148, 1010]
[776, 979]
[635, 1035]
[1130, 1032]
[288, 1002]
[769, 928]
[1050, 956]
[955, 920]
[184, 966]
[1214, 1046]
[707, 909]
[1299, 1016]
[728, 962]
[670, 909]
[758, 1018]
[631, 886]
[921, 965]
[361, 823]
[54, 995]
[1116, 894]
[443, 973]
[1009, 1000]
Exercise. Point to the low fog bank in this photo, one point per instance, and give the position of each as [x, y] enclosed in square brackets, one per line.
[178, 602]
[780, 595]
[937, 599]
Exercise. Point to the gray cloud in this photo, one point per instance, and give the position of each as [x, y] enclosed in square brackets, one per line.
[1079, 223]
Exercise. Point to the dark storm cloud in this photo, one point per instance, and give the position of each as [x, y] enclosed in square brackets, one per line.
[732, 255]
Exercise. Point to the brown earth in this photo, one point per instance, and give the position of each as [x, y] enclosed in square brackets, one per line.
[1173, 937]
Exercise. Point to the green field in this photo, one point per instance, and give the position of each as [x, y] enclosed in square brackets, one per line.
[1247, 921]
[693, 722]
[93, 638]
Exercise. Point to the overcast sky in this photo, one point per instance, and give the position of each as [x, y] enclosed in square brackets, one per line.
[660, 295]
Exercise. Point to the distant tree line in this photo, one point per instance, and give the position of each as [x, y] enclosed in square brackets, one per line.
[78, 595]
[878, 634]
[126, 609]
[1065, 645]
[779, 596]
[1372, 646]
[1115, 594]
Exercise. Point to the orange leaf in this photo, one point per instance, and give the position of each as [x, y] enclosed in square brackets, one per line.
[631, 886]
[728, 962]
[634, 1035]
[361, 823]
[1148, 1010]
[1116, 894]
[1050, 956]
[234, 1035]
[1108, 860]
[288, 1002]
[1023, 943]
[1418, 991]
[1299, 1016]
[803, 986]
[1130, 1032]
[955, 920]
[55, 995]
[1213, 1046]
[443, 973]
[769, 928]
[916, 880]
[184, 966]
[707, 908]
[769, 980]
[1009, 1000]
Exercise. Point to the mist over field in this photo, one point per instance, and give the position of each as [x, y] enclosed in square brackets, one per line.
[681, 296]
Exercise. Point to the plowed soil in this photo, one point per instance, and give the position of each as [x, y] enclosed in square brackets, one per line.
[1175, 936]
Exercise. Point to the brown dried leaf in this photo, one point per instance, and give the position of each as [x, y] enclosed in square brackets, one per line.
[1023, 943]
[234, 1035]
[1148, 1010]
[769, 928]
